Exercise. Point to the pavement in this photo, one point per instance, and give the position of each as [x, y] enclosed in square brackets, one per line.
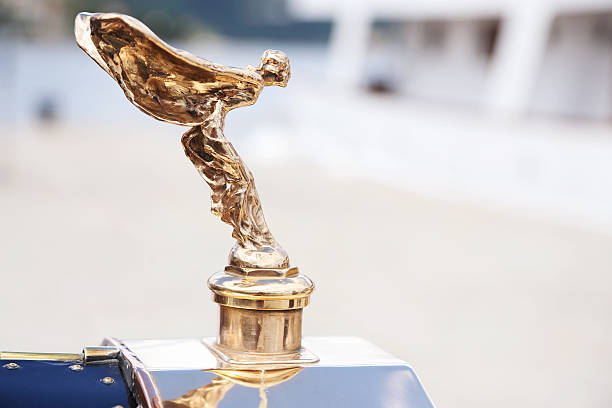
[107, 232]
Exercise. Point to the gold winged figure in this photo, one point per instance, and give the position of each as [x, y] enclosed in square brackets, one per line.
[177, 87]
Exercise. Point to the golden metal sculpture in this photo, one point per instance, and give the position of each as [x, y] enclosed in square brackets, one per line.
[261, 296]
[174, 86]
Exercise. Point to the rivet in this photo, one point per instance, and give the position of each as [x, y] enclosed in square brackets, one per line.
[118, 406]
[11, 366]
[107, 381]
[76, 367]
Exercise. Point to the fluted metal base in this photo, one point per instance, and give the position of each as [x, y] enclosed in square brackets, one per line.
[260, 315]
[260, 331]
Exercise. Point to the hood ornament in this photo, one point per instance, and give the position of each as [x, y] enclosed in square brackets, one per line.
[261, 296]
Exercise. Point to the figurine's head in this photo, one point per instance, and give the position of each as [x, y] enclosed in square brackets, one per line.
[274, 68]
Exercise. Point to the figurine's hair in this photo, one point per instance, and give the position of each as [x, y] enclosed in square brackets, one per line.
[274, 68]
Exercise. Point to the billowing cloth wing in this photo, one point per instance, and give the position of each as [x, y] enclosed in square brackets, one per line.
[168, 84]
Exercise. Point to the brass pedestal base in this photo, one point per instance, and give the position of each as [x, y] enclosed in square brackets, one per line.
[260, 331]
[260, 316]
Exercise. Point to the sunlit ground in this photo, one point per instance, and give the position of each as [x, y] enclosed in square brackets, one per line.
[106, 231]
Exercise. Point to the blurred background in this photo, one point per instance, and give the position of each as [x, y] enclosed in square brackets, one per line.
[442, 170]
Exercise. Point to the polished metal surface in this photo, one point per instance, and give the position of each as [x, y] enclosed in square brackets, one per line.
[260, 315]
[352, 372]
[89, 355]
[137, 377]
[191, 354]
[260, 312]
[211, 394]
[207, 396]
[243, 329]
[259, 293]
[100, 353]
[18, 355]
[355, 387]
[259, 360]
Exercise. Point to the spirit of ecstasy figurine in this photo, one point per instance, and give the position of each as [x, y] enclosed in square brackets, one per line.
[177, 87]
[258, 355]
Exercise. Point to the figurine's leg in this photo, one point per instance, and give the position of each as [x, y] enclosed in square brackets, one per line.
[219, 165]
[234, 197]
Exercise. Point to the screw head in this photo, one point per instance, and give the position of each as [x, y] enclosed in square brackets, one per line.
[11, 366]
[76, 367]
[107, 381]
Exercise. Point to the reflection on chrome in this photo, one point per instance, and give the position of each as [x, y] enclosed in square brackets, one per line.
[209, 396]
